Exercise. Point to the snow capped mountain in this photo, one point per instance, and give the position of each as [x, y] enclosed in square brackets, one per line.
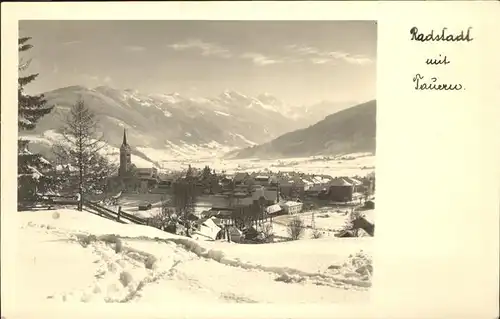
[177, 125]
[352, 130]
[171, 122]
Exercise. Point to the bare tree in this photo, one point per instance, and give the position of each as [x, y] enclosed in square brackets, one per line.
[296, 228]
[80, 151]
[184, 196]
[267, 230]
[163, 218]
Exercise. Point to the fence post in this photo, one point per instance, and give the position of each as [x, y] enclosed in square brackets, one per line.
[119, 213]
[313, 223]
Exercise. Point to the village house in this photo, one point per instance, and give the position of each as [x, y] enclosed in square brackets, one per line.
[262, 180]
[341, 190]
[356, 184]
[315, 190]
[269, 196]
[274, 209]
[292, 188]
[291, 207]
[359, 190]
[274, 180]
[241, 178]
[316, 184]
[148, 177]
[165, 181]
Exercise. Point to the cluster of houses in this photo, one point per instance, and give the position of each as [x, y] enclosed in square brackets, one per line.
[293, 186]
[280, 192]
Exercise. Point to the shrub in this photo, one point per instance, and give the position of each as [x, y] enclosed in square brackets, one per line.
[317, 234]
[360, 263]
[286, 278]
[161, 219]
[296, 228]
[267, 230]
[352, 216]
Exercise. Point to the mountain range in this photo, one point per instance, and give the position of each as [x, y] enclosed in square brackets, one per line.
[352, 130]
[183, 126]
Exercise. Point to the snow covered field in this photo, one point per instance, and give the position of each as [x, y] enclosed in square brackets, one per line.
[360, 164]
[325, 218]
[69, 256]
[175, 157]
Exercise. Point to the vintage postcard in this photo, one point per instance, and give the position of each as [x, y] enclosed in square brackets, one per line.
[209, 159]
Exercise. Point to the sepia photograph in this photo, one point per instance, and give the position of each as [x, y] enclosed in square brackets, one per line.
[185, 161]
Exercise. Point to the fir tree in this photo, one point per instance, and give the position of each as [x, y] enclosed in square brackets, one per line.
[80, 153]
[206, 178]
[189, 173]
[32, 168]
[206, 173]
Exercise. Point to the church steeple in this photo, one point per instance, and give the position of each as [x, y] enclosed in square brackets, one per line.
[124, 136]
[125, 155]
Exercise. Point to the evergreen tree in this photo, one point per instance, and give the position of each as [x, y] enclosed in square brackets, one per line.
[189, 172]
[206, 178]
[80, 151]
[206, 173]
[32, 168]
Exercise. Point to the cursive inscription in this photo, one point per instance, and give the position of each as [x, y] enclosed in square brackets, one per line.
[437, 61]
[443, 36]
[432, 85]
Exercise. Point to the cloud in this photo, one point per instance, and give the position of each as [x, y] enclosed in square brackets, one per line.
[321, 61]
[295, 54]
[317, 56]
[260, 59]
[71, 42]
[206, 48]
[135, 48]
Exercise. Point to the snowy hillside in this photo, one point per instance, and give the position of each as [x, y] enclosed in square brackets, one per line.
[129, 263]
[351, 130]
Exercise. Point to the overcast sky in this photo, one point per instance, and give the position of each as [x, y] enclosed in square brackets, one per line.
[300, 62]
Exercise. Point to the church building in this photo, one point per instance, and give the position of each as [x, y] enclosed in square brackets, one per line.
[130, 177]
[125, 156]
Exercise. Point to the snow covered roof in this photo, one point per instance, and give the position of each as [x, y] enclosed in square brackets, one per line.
[340, 182]
[210, 223]
[296, 181]
[273, 179]
[273, 209]
[262, 177]
[292, 203]
[353, 181]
